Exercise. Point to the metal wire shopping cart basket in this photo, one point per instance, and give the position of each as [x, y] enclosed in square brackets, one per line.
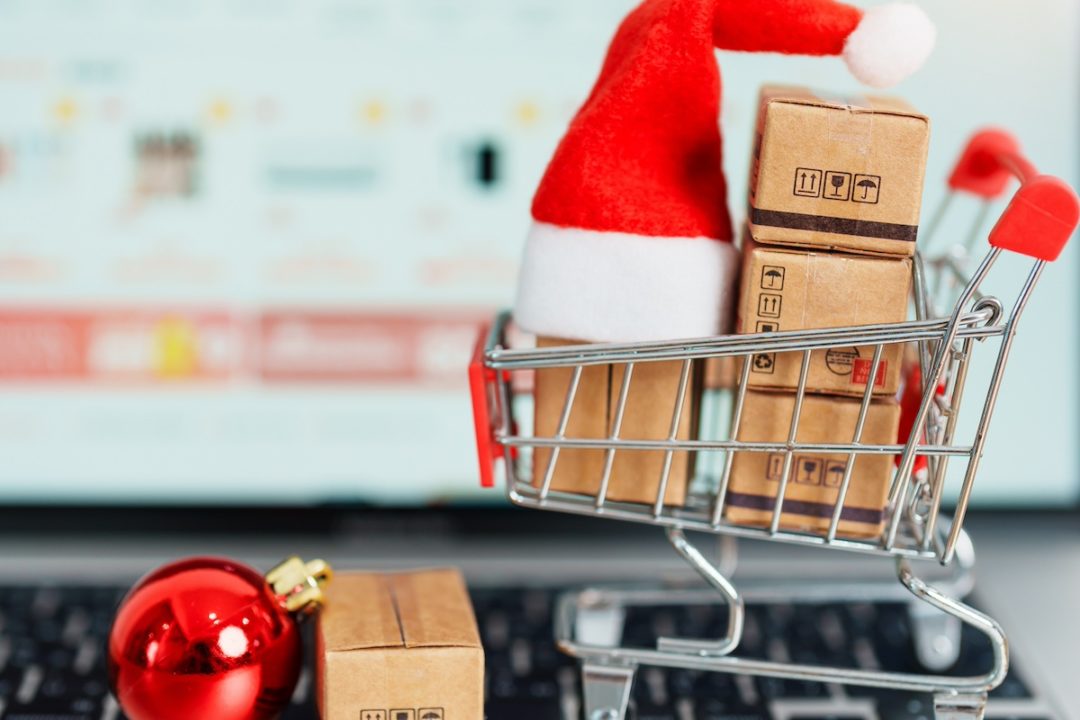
[1037, 223]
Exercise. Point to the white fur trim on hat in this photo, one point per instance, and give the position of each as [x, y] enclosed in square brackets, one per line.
[615, 287]
[891, 42]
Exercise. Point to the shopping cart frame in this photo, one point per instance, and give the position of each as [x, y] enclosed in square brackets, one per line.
[1037, 223]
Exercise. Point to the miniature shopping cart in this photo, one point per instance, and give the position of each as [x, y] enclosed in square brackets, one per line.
[1037, 223]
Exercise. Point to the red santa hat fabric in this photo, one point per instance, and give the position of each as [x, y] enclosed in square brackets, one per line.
[631, 239]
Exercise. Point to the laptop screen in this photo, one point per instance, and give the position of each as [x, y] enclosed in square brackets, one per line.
[245, 246]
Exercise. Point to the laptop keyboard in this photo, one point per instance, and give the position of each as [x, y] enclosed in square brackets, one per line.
[52, 664]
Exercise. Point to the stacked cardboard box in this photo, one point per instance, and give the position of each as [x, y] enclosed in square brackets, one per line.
[835, 193]
[650, 405]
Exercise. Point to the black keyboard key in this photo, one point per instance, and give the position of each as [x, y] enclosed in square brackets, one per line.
[891, 636]
[727, 710]
[495, 630]
[547, 658]
[752, 644]
[25, 652]
[518, 709]
[58, 657]
[683, 683]
[649, 711]
[94, 688]
[293, 712]
[778, 689]
[86, 706]
[536, 605]
[55, 686]
[539, 688]
[502, 684]
[46, 602]
[719, 686]
[881, 695]
[1013, 688]
[101, 621]
[701, 621]
[905, 706]
[651, 687]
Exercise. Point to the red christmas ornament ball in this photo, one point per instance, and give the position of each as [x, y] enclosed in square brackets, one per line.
[206, 638]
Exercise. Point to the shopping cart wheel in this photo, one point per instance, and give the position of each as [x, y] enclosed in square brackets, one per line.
[960, 707]
[936, 637]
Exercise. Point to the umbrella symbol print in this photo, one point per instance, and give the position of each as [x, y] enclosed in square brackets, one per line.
[772, 277]
[867, 188]
[835, 474]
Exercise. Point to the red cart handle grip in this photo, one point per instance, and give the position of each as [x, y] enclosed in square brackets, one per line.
[481, 386]
[1043, 213]
[980, 170]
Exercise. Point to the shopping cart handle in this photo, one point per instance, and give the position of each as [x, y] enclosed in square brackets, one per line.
[481, 386]
[1041, 215]
[982, 169]
[1039, 220]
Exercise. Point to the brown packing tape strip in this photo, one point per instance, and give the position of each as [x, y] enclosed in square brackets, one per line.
[838, 226]
[859, 101]
[804, 507]
[433, 609]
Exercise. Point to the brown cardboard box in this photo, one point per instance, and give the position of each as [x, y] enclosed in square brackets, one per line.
[635, 474]
[576, 470]
[790, 289]
[721, 373]
[814, 480]
[390, 643]
[837, 174]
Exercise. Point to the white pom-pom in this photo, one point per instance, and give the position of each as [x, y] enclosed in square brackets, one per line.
[891, 42]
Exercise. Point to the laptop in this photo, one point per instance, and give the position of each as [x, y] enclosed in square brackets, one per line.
[239, 287]
[65, 569]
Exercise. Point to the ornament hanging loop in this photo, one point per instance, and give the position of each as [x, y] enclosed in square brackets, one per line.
[298, 585]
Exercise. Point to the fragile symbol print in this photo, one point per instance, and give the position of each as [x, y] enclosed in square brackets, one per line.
[808, 471]
[838, 185]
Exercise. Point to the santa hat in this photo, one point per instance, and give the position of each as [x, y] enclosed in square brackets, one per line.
[631, 238]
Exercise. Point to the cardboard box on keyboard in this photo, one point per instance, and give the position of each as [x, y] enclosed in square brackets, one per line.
[399, 645]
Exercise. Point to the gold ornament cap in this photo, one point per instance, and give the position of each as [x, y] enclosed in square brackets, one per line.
[299, 585]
